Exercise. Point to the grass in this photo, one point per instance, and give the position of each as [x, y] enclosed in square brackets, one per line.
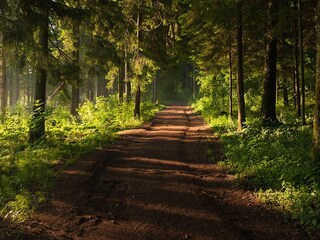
[275, 162]
[27, 172]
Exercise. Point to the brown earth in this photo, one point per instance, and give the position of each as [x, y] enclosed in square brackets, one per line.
[156, 182]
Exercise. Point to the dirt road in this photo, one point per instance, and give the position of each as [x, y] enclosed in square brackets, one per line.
[156, 183]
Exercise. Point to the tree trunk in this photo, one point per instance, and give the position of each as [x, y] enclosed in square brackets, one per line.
[11, 85]
[126, 79]
[230, 74]
[121, 83]
[303, 119]
[194, 81]
[138, 90]
[296, 64]
[294, 94]
[137, 102]
[75, 94]
[285, 88]
[37, 126]
[128, 93]
[316, 125]
[3, 83]
[240, 84]
[268, 108]
[16, 84]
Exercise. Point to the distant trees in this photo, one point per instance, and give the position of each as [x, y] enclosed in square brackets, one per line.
[76, 51]
[64, 52]
[273, 53]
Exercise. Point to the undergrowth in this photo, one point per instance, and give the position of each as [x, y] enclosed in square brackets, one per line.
[27, 172]
[273, 161]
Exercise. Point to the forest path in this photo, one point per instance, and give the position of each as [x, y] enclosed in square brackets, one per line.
[156, 182]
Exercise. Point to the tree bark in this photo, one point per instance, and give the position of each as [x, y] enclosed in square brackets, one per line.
[75, 94]
[10, 80]
[268, 107]
[37, 127]
[16, 84]
[303, 118]
[3, 84]
[285, 88]
[316, 125]
[128, 92]
[138, 90]
[230, 74]
[296, 64]
[121, 82]
[126, 79]
[137, 102]
[240, 84]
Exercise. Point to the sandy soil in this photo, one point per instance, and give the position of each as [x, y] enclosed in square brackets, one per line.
[156, 182]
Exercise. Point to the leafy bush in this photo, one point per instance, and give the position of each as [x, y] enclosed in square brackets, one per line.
[275, 162]
[26, 172]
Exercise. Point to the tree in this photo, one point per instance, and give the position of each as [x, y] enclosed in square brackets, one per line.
[316, 124]
[240, 85]
[268, 107]
[296, 62]
[3, 79]
[230, 74]
[75, 92]
[37, 127]
[138, 75]
[303, 118]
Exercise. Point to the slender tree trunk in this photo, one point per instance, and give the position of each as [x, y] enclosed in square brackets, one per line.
[37, 127]
[3, 83]
[194, 83]
[121, 82]
[240, 84]
[138, 90]
[294, 94]
[137, 102]
[230, 74]
[285, 88]
[128, 95]
[296, 64]
[11, 85]
[16, 84]
[316, 125]
[303, 118]
[75, 94]
[268, 108]
[28, 88]
[126, 79]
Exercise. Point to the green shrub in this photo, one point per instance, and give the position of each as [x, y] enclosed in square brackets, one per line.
[27, 172]
[273, 161]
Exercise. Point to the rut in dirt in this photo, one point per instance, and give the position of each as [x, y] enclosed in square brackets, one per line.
[156, 182]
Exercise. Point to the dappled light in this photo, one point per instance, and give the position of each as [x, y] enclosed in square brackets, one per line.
[154, 182]
[159, 119]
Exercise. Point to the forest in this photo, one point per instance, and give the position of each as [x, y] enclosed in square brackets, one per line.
[73, 73]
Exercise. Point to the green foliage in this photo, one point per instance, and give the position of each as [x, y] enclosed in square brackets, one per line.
[27, 172]
[275, 161]
[213, 115]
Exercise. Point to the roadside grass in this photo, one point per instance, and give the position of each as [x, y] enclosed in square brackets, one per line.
[275, 162]
[27, 172]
